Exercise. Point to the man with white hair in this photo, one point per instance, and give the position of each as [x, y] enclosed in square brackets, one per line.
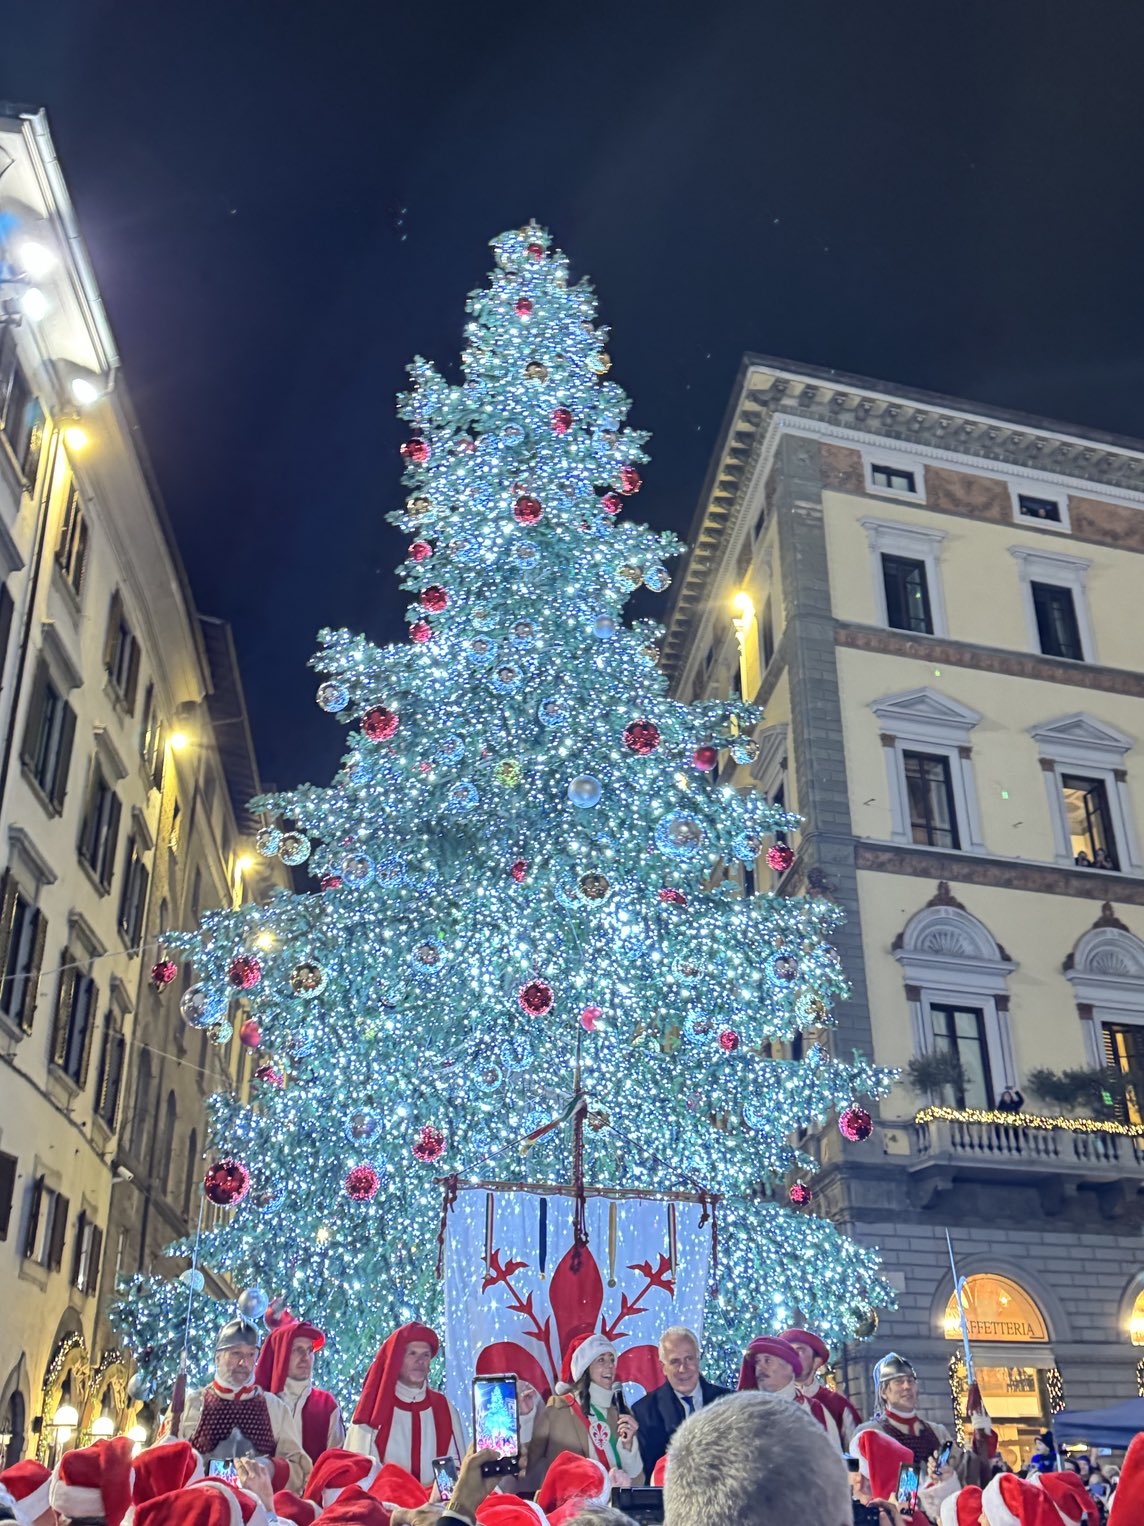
[756, 1463]
[684, 1390]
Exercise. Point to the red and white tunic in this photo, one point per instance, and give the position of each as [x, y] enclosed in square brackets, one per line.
[425, 1425]
[846, 1418]
[317, 1416]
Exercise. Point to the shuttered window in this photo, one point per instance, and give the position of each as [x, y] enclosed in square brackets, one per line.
[49, 732]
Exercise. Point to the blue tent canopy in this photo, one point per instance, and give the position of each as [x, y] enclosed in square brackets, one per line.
[1112, 1427]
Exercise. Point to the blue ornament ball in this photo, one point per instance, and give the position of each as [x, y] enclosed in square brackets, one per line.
[463, 797]
[506, 678]
[451, 750]
[294, 848]
[657, 578]
[333, 696]
[200, 1008]
[481, 652]
[357, 870]
[553, 712]
[268, 841]
[680, 835]
[604, 627]
[585, 791]
[523, 633]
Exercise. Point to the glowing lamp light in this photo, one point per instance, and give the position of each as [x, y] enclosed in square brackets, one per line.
[244, 863]
[36, 259]
[76, 437]
[33, 304]
[743, 606]
[178, 740]
[66, 1418]
[103, 1426]
[264, 940]
[85, 392]
[137, 1434]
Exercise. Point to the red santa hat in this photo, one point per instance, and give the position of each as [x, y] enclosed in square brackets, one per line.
[395, 1485]
[168, 1465]
[508, 1510]
[572, 1479]
[354, 1507]
[879, 1459]
[335, 1470]
[1069, 1495]
[1128, 1500]
[581, 1351]
[808, 1338]
[28, 1483]
[657, 1473]
[273, 1365]
[289, 1506]
[962, 1508]
[768, 1345]
[1008, 1500]
[188, 1507]
[244, 1508]
[94, 1482]
[375, 1407]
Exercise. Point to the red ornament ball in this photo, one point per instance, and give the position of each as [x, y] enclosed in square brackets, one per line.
[362, 1183]
[536, 998]
[271, 1076]
[524, 307]
[379, 723]
[630, 479]
[611, 503]
[518, 870]
[434, 598]
[729, 1040]
[641, 737]
[780, 857]
[527, 510]
[420, 550]
[672, 897]
[536, 251]
[705, 758]
[429, 1144]
[590, 1017]
[245, 972]
[250, 1034]
[226, 1183]
[856, 1124]
[163, 973]
[420, 631]
[330, 882]
[799, 1194]
[415, 450]
[561, 420]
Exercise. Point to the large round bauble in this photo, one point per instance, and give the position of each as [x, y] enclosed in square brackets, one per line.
[604, 627]
[294, 848]
[782, 969]
[308, 979]
[163, 972]
[524, 307]
[680, 835]
[856, 1124]
[251, 1304]
[250, 1034]
[420, 551]
[380, 723]
[744, 749]
[357, 870]
[200, 1008]
[585, 791]
[527, 510]
[420, 632]
[416, 451]
[561, 420]
[780, 857]
[463, 797]
[362, 1126]
[429, 1144]
[553, 712]
[630, 480]
[244, 972]
[226, 1183]
[268, 841]
[657, 578]
[536, 998]
[705, 759]
[641, 737]
[362, 1183]
[611, 503]
[799, 1194]
[332, 696]
[434, 598]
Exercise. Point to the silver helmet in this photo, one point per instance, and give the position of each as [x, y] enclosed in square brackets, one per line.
[237, 1332]
[891, 1366]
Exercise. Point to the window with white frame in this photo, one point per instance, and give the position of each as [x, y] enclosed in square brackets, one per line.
[1106, 972]
[904, 563]
[1055, 595]
[956, 977]
[929, 770]
[1090, 811]
[892, 475]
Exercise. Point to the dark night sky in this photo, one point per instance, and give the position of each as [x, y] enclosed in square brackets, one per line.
[943, 195]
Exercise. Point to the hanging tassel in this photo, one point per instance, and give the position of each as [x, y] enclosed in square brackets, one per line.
[714, 1249]
[450, 1185]
[490, 1213]
[612, 1208]
[672, 1241]
[543, 1256]
[580, 1215]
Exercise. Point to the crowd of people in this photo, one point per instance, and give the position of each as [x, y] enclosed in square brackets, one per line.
[262, 1445]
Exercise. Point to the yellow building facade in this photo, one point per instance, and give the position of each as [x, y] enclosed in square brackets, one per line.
[941, 610]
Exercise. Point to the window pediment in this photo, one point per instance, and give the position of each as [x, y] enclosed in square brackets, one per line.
[1079, 737]
[926, 715]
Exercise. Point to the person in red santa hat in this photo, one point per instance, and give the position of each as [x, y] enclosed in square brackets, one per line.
[571, 1483]
[399, 1418]
[1128, 1501]
[191, 1507]
[1008, 1500]
[771, 1366]
[962, 1508]
[94, 1483]
[232, 1417]
[286, 1367]
[1074, 1504]
[354, 1507]
[584, 1416]
[28, 1483]
[814, 1354]
[163, 1468]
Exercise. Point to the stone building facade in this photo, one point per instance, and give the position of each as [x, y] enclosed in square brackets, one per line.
[939, 607]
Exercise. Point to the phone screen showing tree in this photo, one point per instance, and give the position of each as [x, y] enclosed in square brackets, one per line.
[496, 1424]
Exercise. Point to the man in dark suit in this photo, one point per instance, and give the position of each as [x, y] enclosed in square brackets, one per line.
[661, 1412]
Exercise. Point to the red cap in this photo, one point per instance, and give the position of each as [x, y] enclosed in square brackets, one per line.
[1069, 1495]
[768, 1345]
[335, 1470]
[657, 1473]
[354, 1507]
[168, 1465]
[94, 1481]
[1010, 1501]
[395, 1485]
[273, 1365]
[508, 1510]
[292, 1507]
[189, 1507]
[27, 1482]
[880, 1457]
[379, 1394]
[574, 1479]
[804, 1338]
[1128, 1501]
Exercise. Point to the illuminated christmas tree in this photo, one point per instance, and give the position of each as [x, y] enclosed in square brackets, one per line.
[526, 871]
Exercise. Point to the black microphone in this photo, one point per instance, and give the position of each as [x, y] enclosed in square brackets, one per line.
[622, 1405]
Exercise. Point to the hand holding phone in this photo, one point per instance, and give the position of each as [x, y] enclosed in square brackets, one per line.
[496, 1422]
[445, 1472]
[909, 1482]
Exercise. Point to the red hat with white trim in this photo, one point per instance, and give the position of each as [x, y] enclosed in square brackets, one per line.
[962, 1508]
[187, 1507]
[395, 1485]
[354, 1507]
[657, 1473]
[572, 1479]
[335, 1470]
[879, 1459]
[508, 1510]
[1128, 1501]
[1011, 1501]
[289, 1506]
[1072, 1500]
[28, 1483]
[245, 1508]
[581, 1351]
[94, 1483]
[169, 1464]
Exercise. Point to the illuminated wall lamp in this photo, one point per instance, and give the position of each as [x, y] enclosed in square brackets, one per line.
[103, 1426]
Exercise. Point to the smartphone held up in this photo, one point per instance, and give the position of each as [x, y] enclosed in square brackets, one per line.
[496, 1422]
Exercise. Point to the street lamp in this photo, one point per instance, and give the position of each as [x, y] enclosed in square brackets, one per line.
[63, 1423]
[102, 1427]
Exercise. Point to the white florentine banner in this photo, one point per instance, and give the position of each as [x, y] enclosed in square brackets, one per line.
[516, 1293]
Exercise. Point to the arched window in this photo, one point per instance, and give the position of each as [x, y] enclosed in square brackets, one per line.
[141, 1112]
[192, 1174]
[996, 1309]
[1136, 1320]
[956, 976]
[167, 1158]
[12, 1424]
